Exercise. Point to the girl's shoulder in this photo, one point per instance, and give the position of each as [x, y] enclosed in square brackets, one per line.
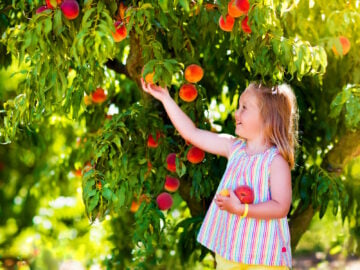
[236, 143]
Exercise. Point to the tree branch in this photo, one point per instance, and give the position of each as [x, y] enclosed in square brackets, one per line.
[117, 66]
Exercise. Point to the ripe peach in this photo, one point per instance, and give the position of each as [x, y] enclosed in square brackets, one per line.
[77, 173]
[164, 201]
[195, 155]
[225, 192]
[41, 9]
[209, 6]
[243, 5]
[228, 24]
[345, 44]
[153, 143]
[171, 183]
[188, 92]
[54, 3]
[99, 185]
[98, 96]
[245, 194]
[70, 9]
[171, 162]
[233, 10]
[87, 100]
[120, 31]
[134, 206]
[193, 73]
[245, 26]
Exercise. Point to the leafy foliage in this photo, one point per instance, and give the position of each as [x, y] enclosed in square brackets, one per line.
[61, 63]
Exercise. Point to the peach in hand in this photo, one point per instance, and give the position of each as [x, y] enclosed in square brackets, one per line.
[225, 192]
[245, 194]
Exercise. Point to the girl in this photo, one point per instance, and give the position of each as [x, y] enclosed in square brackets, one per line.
[248, 236]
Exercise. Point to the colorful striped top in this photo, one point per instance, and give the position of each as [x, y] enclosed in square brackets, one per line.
[247, 240]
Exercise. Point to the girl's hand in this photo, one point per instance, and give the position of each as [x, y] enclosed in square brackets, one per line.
[231, 204]
[156, 91]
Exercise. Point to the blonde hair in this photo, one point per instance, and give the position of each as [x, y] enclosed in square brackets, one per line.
[279, 111]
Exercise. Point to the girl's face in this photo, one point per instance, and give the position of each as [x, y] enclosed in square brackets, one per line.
[248, 120]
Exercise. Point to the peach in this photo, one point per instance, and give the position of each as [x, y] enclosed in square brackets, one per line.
[209, 6]
[245, 26]
[225, 192]
[120, 31]
[233, 10]
[87, 100]
[88, 167]
[77, 173]
[188, 92]
[195, 155]
[243, 5]
[228, 24]
[164, 201]
[98, 96]
[99, 185]
[70, 9]
[152, 143]
[345, 44]
[171, 162]
[245, 194]
[41, 9]
[108, 116]
[134, 206]
[52, 3]
[193, 73]
[171, 183]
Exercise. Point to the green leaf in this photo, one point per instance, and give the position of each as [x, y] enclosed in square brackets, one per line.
[94, 202]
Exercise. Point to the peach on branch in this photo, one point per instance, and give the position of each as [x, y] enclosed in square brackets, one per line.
[233, 10]
[193, 73]
[153, 143]
[171, 184]
[98, 96]
[243, 5]
[134, 206]
[226, 24]
[188, 92]
[52, 3]
[245, 25]
[41, 9]
[171, 162]
[120, 31]
[345, 44]
[195, 155]
[70, 9]
[164, 201]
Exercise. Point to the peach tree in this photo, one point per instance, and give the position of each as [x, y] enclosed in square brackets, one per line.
[83, 60]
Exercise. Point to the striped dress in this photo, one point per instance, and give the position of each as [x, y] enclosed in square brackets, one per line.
[247, 240]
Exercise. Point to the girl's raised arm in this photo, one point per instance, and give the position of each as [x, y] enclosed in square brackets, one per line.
[210, 142]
